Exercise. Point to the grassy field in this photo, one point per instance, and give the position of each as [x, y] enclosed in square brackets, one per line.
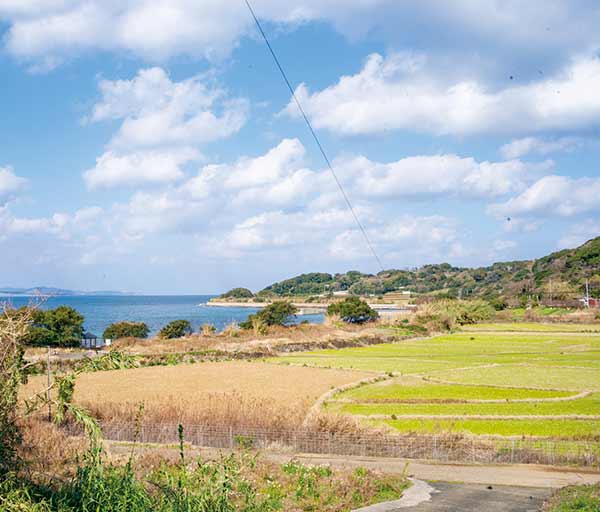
[534, 327]
[522, 382]
[232, 393]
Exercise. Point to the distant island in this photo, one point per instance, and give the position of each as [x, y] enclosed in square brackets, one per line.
[54, 292]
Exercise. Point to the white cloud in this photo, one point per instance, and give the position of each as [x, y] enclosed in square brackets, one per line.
[10, 184]
[554, 195]
[48, 31]
[520, 147]
[424, 237]
[138, 168]
[504, 245]
[157, 111]
[401, 92]
[579, 233]
[61, 225]
[448, 175]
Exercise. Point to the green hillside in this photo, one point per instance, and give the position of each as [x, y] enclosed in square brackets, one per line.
[560, 275]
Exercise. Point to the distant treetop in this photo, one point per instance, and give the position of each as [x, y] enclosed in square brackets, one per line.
[238, 293]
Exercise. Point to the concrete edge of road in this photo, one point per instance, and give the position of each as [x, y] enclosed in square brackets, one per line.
[417, 493]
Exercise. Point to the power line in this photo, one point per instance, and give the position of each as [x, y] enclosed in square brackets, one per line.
[313, 133]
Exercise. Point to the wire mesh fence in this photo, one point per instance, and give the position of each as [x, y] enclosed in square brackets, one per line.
[447, 447]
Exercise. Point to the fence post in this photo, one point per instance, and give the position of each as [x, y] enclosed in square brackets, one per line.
[230, 437]
[512, 452]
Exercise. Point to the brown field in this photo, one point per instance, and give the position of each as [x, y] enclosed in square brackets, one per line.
[222, 393]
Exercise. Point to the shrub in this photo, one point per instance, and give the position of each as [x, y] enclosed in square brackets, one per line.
[499, 303]
[238, 293]
[60, 327]
[176, 329]
[208, 329]
[443, 315]
[353, 310]
[232, 330]
[126, 330]
[277, 313]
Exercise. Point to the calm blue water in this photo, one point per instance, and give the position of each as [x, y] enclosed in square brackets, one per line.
[155, 311]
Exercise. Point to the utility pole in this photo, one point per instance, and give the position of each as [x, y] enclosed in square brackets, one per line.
[48, 380]
[587, 293]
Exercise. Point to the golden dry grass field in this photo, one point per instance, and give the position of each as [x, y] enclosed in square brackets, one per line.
[253, 394]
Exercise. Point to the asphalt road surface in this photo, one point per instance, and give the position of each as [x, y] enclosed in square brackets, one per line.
[462, 497]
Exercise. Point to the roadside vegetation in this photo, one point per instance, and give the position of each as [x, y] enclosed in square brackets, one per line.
[575, 498]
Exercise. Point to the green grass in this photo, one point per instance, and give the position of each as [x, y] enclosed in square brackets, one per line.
[544, 428]
[575, 498]
[527, 376]
[405, 389]
[534, 327]
[585, 406]
[535, 358]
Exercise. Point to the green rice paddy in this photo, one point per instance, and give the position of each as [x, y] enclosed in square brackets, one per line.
[453, 375]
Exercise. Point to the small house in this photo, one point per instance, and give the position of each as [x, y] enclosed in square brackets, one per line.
[90, 340]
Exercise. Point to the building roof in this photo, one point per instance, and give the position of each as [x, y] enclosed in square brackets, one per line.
[89, 336]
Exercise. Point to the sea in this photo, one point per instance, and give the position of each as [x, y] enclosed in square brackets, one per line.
[155, 310]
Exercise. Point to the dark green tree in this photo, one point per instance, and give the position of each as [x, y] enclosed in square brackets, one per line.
[126, 330]
[60, 327]
[176, 329]
[277, 313]
[238, 293]
[353, 311]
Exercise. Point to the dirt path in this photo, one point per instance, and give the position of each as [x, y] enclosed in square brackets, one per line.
[521, 475]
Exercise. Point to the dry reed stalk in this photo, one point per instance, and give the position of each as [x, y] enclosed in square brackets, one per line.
[214, 409]
[47, 450]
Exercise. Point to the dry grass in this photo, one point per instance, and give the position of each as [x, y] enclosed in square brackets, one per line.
[224, 393]
[49, 453]
[234, 339]
[215, 410]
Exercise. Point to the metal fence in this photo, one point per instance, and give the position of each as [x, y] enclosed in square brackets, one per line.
[450, 448]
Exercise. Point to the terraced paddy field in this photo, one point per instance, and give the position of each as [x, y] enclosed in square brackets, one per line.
[541, 381]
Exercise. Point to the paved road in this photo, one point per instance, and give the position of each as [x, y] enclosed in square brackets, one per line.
[480, 498]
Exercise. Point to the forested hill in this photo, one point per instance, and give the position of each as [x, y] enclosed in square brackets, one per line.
[561, 274]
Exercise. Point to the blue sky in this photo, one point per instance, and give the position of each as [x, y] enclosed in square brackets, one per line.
[151, 146]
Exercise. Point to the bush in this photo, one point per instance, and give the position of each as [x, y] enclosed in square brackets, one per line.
[277, 313]
[176, 329]
[60, 327]
[499, 303]
[208, 329]
[353, 310]
[126, 330]
[238, 293]
[445, 314]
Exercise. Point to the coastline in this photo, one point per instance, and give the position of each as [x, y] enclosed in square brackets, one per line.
[301, 305]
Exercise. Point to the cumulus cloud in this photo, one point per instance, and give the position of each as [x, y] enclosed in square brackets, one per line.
[62, 225]
[156, 111]
[49, 31]
[402, 92]
[430, 176]
[579, 233]
[536, 145]
[554, 195]
[10, 184]
[138, 168]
